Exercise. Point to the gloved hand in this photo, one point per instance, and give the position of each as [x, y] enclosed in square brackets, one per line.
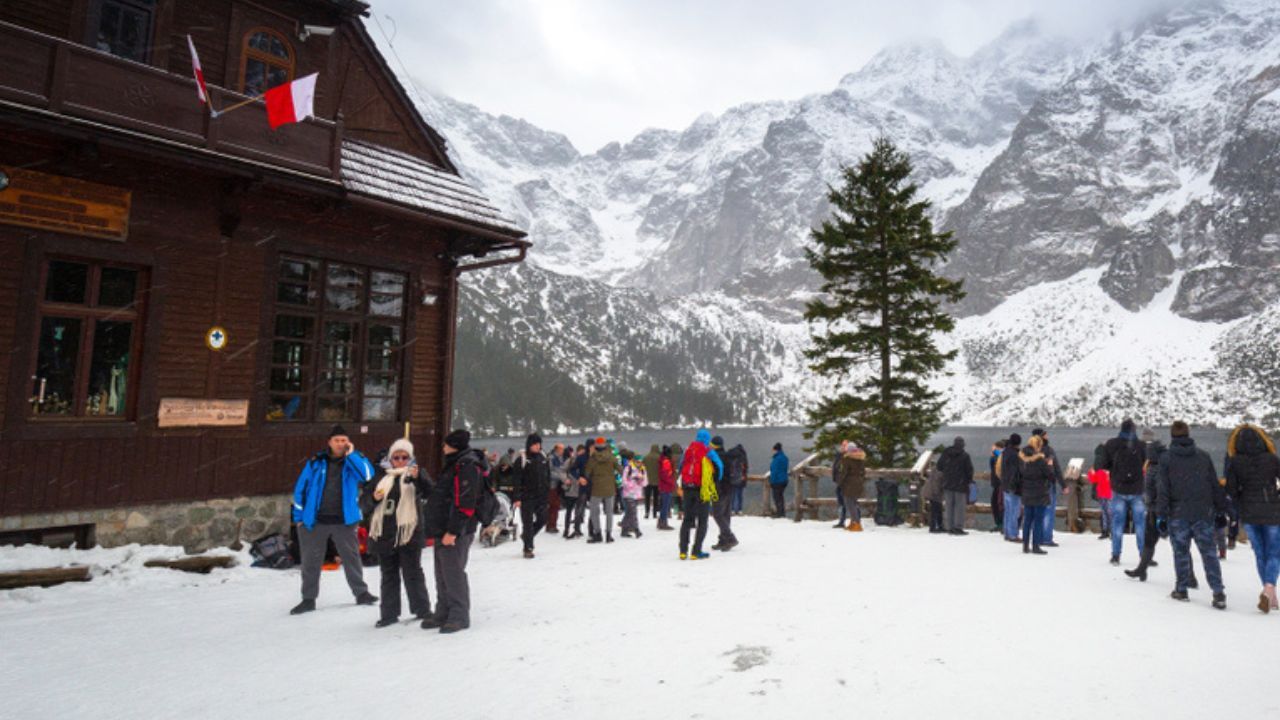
[1162, 527]
[1220, 521]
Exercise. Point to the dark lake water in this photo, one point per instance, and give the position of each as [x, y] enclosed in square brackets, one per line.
[758, 442]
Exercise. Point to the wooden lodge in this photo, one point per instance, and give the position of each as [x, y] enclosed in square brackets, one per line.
[188, 303]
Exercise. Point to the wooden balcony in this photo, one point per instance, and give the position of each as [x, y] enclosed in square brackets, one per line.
[61, 77]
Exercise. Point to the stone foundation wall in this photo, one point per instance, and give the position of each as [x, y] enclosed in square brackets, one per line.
[196, 526]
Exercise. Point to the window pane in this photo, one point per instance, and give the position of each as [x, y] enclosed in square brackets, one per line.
[384, 346]
[344, 288]
[386, 293]
[255, 77]
[278, 49]
[339, 332]
[286, 407]
[299, 269]
[276, 75]
[269, 43]
[68, 282]
[386, 305]
[287, 380]
[329, 409]
[109, 368]
[290, 353]
[56, 366]
[379, 408]
[338, 357]
[295, 294]
[292, 326]
[335, 383]
[118, 287]
[380, 384]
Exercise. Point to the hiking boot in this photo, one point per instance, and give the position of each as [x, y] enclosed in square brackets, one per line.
[366, 598]
[1104, 536]
[1220, 600]
[626, 533]
[593, 538]
[958, 532]
[936, 531]
[1139, 572]
[386, 622]
[1222, 554]
[431, 622]
[1180, 595]
[638, 533]
[1264, 603]
[528, 554]
[450, 628]
[684, 556]
[700, 556]
[305, 606]
[1037, 551]
[855, 526]
[1026, 550]
[718, 546]
[1115, 559]
[608, 538]
[552, 531]
[1152, 563]
[839, 525]
[1193, 584]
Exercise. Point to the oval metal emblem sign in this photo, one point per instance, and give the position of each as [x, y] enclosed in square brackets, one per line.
[216, 338]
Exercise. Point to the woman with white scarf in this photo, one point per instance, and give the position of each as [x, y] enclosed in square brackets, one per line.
[395, 533]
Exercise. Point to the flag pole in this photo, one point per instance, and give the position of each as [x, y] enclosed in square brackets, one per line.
[237, 106]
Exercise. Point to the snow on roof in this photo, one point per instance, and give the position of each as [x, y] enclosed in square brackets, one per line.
[397, 177]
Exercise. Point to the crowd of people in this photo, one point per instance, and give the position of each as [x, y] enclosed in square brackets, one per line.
[1159, 491]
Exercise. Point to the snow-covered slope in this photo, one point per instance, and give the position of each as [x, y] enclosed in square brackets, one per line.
[1106, 196]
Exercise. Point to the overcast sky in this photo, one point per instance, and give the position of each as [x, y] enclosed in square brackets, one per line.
[602, 70]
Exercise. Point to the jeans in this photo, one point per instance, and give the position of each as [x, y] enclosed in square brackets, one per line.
[739, 493]
[1181, 533]
[1051, 513]
[844, 513]
[664, 504]
[1121, 507]
[1104, 516]
[779, 499]
[1012, 504]
[1033, 525]
[1265, 540]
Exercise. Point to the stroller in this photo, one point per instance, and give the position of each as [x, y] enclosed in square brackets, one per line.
[503, 527]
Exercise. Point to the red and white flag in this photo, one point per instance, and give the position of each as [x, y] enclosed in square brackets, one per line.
[292, 102]
[195, 68]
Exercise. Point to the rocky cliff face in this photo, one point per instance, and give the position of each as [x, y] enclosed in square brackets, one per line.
[1098, 191]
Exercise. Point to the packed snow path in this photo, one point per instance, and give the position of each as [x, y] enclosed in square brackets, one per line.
[799, 621]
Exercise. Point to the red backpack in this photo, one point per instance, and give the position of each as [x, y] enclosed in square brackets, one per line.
[691, 470]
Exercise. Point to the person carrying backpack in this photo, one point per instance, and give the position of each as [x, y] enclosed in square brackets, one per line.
[532, 473]
[699, 469]
[1124, 457]
[454, 511]
[734, 478]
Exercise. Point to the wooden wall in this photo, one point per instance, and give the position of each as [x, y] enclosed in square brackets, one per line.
[201, 278]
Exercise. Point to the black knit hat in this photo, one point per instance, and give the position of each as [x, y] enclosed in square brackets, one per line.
[337, 430]
[458, 440]
[1015, 439]
[717, 441]
[777, 447]
[533, 439]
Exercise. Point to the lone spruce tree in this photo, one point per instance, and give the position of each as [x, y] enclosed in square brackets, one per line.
[881, 301]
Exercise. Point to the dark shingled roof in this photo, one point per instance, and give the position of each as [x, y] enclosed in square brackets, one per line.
[396, 177]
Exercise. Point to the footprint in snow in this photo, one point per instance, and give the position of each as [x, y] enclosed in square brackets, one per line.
[747, 657]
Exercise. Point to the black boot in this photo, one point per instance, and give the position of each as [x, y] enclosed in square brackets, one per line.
[386, 622]
[1139, 572]
[305, 606]
[608, 537]
[1037, 551]
[1192, 583]
[1220, 600]
[366, 598]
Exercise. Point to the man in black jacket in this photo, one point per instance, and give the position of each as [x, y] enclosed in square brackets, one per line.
[1051, 513]
[1188, 501]
[1124, 457]
[957, 475]
[451, 520]
[533, 489]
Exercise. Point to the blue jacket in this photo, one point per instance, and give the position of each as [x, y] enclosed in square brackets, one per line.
[310, 488]
[778, 469]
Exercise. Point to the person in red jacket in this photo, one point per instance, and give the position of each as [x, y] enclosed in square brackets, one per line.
[1101, 480]
[666, 488]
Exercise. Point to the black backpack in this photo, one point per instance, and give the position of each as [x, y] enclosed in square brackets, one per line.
[736, 473]
[887, 503]
[487, 501]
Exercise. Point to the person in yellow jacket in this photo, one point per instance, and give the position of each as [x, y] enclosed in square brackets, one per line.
[698, 474]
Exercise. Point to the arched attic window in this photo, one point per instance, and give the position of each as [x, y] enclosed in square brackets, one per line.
[266, 60]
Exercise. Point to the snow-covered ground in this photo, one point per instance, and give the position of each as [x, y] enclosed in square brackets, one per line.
[799, 621]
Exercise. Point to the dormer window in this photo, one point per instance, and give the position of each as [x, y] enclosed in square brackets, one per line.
[266, 61]
[122, 27]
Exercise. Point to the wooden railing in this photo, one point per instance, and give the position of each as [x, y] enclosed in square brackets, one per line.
[54, 75]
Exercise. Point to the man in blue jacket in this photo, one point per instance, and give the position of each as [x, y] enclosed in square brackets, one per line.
[326, 507]
[778, 480]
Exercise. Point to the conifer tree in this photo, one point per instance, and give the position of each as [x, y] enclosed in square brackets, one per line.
[873, 325]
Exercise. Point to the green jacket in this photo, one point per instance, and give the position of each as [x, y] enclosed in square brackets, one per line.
[602, 473]
[653, 463]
